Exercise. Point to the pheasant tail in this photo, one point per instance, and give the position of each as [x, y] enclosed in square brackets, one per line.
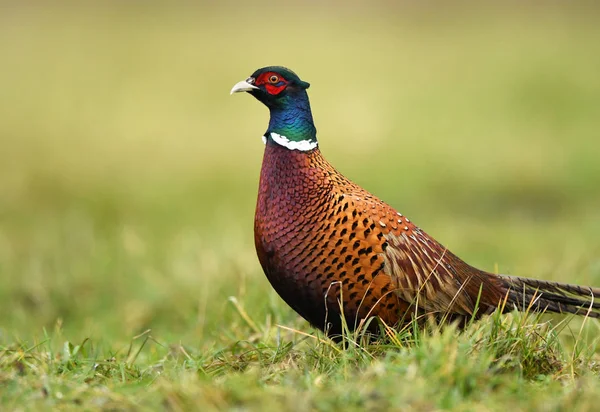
[542, 295]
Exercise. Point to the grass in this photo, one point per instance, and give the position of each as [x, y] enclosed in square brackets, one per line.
[128, 278]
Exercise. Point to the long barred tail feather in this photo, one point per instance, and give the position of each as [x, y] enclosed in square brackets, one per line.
[541, 295]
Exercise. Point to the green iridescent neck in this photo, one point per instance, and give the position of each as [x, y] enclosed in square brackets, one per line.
[292, 118]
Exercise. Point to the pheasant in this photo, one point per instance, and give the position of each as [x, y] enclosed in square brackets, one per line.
[338, 255]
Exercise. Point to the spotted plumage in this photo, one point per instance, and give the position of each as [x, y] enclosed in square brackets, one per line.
[329, 247]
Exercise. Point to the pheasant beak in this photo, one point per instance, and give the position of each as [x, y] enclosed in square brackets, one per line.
[244, 86]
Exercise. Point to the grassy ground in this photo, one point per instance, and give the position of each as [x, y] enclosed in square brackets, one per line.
[128, 177]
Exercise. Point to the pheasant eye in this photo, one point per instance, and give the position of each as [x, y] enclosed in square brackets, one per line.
[274, 79]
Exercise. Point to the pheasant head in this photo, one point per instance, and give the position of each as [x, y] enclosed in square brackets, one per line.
[281, 90]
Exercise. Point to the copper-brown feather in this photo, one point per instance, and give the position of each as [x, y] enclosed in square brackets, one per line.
[325, 244]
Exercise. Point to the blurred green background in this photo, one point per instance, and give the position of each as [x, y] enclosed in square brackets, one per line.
[128, 174]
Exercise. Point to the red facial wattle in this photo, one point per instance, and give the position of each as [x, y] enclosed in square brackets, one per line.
[272, 88]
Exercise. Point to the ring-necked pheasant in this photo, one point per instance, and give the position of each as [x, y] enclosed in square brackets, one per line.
[325, 243]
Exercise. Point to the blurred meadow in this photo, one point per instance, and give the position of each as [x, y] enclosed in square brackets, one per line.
[128, 180]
